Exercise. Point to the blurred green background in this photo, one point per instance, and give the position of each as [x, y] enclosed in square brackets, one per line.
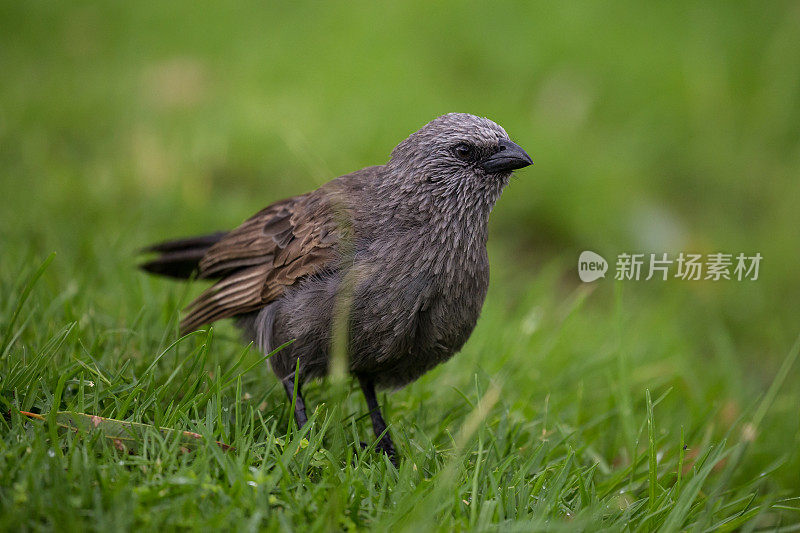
[654, 127]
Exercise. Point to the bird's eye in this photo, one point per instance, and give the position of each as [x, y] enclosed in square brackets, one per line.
[463, 151]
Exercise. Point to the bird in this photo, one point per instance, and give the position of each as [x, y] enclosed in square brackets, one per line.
[395, 253]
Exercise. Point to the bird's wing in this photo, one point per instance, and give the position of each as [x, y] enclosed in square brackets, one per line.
[269, 252]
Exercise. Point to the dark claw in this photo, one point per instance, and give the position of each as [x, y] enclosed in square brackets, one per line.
[386, 448]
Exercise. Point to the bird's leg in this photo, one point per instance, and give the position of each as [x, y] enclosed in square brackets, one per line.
[385, 443]
[299, 404]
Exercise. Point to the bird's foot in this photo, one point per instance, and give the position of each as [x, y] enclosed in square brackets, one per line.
[387, 447]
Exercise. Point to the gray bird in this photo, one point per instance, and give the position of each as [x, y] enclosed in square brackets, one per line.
[397, 252]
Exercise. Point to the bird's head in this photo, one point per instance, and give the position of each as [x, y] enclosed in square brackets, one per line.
[458, 152]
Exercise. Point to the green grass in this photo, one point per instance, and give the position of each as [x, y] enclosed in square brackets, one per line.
[628, 406]
[536, 424]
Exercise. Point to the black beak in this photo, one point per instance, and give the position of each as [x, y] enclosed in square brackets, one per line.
[510, 157]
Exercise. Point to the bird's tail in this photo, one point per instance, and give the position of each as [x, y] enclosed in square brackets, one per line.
[179, 258]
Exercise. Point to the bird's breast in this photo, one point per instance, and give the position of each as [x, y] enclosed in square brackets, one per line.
[413, 308]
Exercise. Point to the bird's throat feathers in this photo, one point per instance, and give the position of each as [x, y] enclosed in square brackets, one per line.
[457, 201]
[443, 225]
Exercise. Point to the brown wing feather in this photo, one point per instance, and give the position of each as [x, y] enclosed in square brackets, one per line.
[272, 250]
